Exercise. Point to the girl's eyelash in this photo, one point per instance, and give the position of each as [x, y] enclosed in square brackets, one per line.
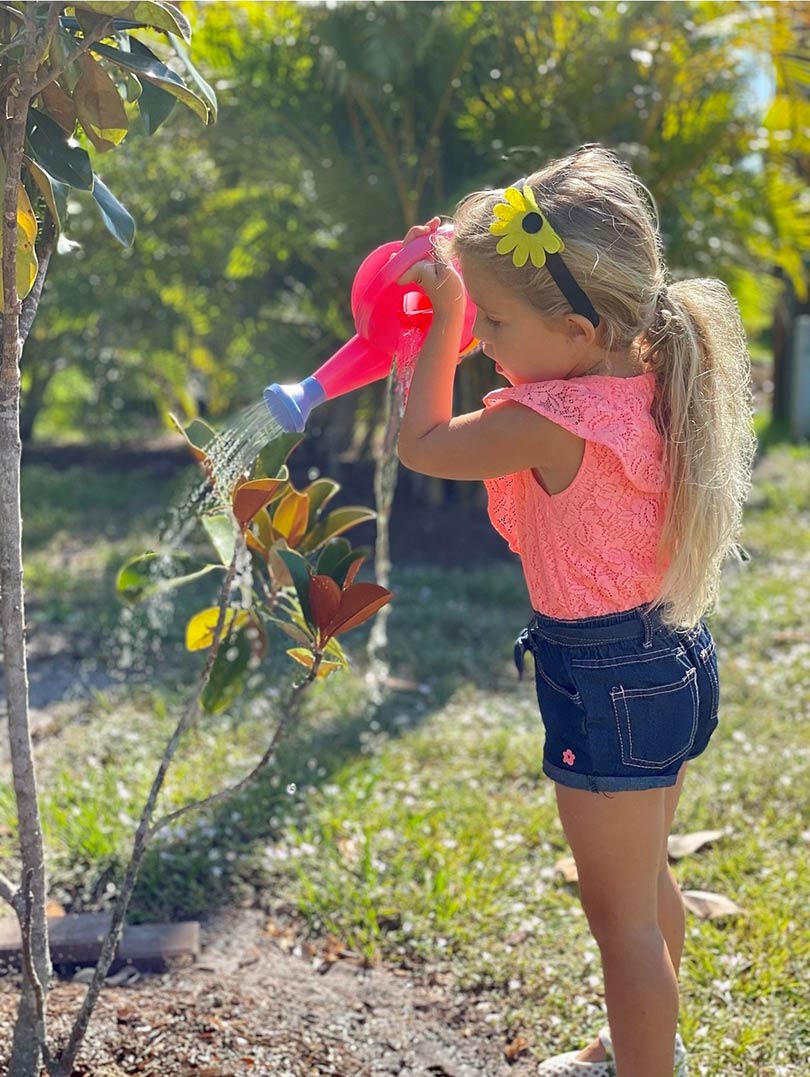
[491, 320]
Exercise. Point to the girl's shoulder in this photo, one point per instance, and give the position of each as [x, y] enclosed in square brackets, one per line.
[612, 411]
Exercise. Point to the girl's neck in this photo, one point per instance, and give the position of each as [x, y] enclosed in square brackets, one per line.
[626, 364]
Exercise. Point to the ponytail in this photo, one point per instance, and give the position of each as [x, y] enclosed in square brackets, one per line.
[703, 409]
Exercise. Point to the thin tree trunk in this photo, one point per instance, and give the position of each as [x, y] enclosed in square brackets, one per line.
[29, 903]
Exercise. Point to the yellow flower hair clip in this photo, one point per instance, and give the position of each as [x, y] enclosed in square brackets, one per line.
[526, 232]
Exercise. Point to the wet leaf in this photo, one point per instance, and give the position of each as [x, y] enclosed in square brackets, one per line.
[227, 673]
[251, 497]
[151, 572]
[221, 532]
[324, 600]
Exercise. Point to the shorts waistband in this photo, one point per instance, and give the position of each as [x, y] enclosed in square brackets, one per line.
[637, 623]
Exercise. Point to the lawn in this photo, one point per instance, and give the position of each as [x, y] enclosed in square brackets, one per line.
[420, 829]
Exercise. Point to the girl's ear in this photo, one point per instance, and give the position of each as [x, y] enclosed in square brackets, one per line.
[580, 329]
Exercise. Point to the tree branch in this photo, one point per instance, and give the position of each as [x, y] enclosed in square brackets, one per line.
[232, 790]
[85, 46]
[8, 891]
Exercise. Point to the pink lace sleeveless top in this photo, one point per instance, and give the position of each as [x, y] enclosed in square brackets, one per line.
[590, 549]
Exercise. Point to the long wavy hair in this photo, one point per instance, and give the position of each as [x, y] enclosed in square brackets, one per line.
[689, 334]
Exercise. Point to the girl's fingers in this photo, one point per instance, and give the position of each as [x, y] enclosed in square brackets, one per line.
[422, 229]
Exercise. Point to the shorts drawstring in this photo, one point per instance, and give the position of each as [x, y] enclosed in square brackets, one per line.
[522, 644]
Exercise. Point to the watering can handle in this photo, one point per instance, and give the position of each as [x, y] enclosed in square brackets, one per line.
[390, 273]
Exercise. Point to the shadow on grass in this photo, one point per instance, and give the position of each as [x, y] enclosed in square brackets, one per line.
[448, 630]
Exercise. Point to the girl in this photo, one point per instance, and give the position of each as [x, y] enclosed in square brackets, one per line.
[616, 466]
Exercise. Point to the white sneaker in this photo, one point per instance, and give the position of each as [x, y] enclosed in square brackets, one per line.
[568, 1065]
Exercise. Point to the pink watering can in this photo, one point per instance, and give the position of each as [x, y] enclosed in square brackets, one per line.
[383, 311]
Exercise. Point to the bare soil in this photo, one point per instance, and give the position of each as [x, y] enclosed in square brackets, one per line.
[263, 1001]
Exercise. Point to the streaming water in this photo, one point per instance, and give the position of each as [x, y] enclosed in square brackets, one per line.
[386, 470]
[138, 639]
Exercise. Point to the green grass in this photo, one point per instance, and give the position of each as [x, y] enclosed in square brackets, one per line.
[420, 830]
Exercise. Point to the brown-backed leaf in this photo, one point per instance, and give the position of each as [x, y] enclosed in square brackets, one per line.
[357, 604]
[324, 600]
[59, 107]
[99, 106]
[251, 497]
[352, 572]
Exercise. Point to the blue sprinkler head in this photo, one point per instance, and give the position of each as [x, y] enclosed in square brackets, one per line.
[290, 405]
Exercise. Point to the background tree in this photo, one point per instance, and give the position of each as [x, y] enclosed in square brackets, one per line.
[343, 125]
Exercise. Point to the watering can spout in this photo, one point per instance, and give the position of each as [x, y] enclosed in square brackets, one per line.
[290, 405]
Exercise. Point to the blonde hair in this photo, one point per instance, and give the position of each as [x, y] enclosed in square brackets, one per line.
[691, 337]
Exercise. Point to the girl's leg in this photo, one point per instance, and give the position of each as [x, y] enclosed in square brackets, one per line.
[617, 844]
[671, 913]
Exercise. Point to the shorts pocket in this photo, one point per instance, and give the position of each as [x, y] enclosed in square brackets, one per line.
[656, 724]
[708, 659]
[569, 693]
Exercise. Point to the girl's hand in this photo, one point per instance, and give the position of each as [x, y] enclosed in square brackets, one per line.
[441, 283]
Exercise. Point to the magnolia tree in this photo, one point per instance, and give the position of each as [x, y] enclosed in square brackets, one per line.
[74, 79]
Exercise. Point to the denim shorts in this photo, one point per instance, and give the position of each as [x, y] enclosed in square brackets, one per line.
[624, 700]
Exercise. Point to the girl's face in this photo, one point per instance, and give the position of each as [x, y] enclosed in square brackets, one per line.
[524, 345]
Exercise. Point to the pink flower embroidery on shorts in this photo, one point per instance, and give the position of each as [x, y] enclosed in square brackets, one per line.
[568, 757]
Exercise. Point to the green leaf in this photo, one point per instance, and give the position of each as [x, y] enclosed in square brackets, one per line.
[342, 568]
[194, 77]
[153, 13]
[221, 532]
[331, 556]
[300, 572]
[298, 634]
[155, 106]
[319, 493]
[227, 677]
[118, 220]
[336, 522]
[147, 66]
[70, 164]
[274, 455]
[150, 573]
